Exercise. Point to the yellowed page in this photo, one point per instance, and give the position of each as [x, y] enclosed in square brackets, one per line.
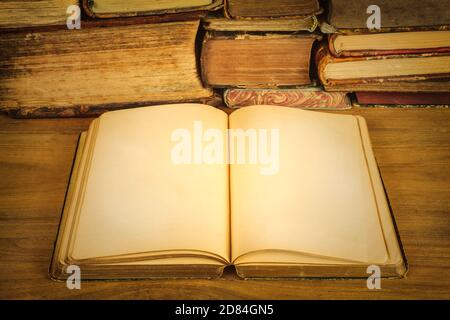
[137, 199]
[319, 202]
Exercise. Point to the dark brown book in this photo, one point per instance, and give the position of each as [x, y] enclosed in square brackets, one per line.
[271, 8]
[305, 98]
[83, 72]
[131, 8]
[32, 13]
[345, 14]
[403, 98]
[382, 70]
[256, 61]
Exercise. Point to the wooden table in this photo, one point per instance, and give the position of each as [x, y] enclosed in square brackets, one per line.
[413, 152]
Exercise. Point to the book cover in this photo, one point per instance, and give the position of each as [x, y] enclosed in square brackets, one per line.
[306, 98]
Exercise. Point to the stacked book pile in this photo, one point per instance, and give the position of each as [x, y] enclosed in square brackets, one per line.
[140, 53]
[261, 52]
[82, 58]
[404, 62]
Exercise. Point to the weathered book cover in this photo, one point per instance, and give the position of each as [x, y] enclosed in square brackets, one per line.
[32, 13]
[76, 72]
[256, 61]
[378, 52]
[306, 98]
[324, 58]
[403, 98]
[112, 9]
[344, 14]
[270, 8]
[434, 85]
[296, 24]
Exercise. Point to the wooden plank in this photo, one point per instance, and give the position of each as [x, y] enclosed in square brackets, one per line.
[411, 146]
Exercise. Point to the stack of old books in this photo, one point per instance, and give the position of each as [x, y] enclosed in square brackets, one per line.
[405, 62]
[235, 53]
[143, 53]
[126, 54]
[260, 54]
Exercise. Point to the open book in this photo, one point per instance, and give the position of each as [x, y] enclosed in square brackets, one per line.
[179, 191]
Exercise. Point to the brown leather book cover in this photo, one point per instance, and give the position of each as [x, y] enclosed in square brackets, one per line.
[271, 8]
[345, 14]
[256, 61]
[88, 71]
[403, 98]
[306, 98]
[90, 8]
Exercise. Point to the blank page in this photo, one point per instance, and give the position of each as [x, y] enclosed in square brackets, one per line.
[319, 202]
[138, 200]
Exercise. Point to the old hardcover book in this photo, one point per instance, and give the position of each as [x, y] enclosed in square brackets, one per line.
[154, 193]
[381, 69]
[344, 14]
[403, 98]
[438, 85]
[119, 8]
[271, 8]
[68, 73]
[252, 61]
[392, 43]
[308, 24]
[306, 98]
[32, 13]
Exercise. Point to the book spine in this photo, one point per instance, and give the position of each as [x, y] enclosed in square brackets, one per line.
[297, 98]
[203, 10]
[324, 57]
[368, 53]
[402, 98]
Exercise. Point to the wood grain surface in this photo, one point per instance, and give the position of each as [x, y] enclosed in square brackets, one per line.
[413, 152]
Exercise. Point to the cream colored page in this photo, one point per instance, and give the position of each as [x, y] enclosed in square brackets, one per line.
[120, 6]
[319, 202]
[137, 199]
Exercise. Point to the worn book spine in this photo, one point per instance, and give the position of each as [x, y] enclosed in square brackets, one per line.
[247, 9]
[324, 57]
[393, 86]
[367, 53]
[308, 98]
[308, 24]
[344, 14]
[88, 6]
[88, 71]
[256, 61]
[402, 98]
